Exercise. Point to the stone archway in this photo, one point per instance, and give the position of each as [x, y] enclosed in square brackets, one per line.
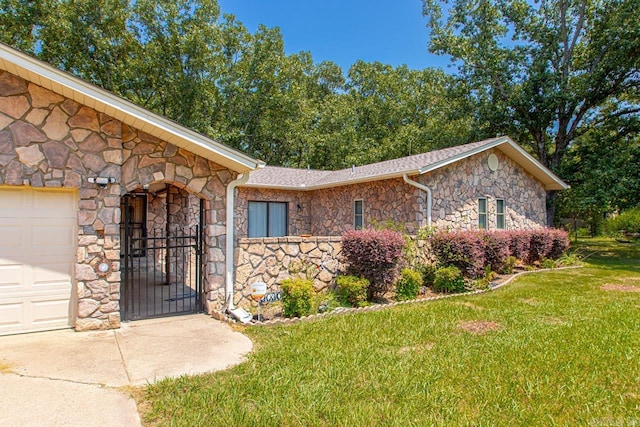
[162, 252]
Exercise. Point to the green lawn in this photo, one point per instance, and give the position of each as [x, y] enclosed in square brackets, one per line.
[551, 348]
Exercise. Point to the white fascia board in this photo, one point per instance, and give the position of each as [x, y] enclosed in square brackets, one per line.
[242, 162]
[496, 143]
[304, 187]
[539, 165]
[464, 155]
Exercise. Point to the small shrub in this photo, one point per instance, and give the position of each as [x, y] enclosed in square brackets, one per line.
[428, 272]
[325, 301]
[496, 249]
[297, 297]
[352, 290]
[560, 245]
[375, 255]
[483, 283]
[567, 260]
[408, 287]
[509, 265]
[463, 249]
[519, 244]
[449, 280]
[547, 263]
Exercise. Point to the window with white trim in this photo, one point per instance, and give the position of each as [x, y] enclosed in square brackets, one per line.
[268, 219]
[500, 214]
[358, 217]
[482, 213]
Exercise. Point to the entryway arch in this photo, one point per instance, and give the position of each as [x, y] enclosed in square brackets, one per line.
[162, 257]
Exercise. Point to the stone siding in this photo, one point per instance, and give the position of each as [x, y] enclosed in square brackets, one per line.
[47, 140]
[457, 187]
[299, 209]
[385, 200]
[329, 212]
[271, 260]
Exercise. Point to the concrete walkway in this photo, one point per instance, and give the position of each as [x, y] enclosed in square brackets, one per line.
[67, 378]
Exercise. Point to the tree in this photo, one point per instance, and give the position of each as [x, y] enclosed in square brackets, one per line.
[543, 71]
[21, 20]
[603, 168]
[91, 39]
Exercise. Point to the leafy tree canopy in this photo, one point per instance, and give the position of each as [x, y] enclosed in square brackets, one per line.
[544, 72]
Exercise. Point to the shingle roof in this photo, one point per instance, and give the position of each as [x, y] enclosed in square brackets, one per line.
[303, 179]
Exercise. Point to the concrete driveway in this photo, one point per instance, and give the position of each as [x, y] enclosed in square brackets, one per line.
[67, 378]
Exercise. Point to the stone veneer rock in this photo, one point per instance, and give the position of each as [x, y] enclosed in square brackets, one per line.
[271, 260]
[456, 189]
[47, 140]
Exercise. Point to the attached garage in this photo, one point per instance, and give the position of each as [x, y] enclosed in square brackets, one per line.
[38, 237]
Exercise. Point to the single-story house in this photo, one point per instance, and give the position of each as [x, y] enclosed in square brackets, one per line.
[492, 184]
[109, 212]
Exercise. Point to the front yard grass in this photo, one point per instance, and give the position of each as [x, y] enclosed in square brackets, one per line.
[552, 348]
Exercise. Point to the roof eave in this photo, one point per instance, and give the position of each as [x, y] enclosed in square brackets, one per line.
[41, 73]
[305, 187]
[551, 181]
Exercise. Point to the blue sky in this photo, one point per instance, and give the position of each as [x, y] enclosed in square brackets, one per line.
[392, 32]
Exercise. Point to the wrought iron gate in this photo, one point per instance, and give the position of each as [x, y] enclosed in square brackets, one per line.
[161, 269]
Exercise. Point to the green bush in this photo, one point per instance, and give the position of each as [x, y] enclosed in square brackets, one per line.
[509, 264]
[428, 272]
[297, 297]
[408, 286]
[627, 222]
[547, 263]
[352, 290]
[449, 280]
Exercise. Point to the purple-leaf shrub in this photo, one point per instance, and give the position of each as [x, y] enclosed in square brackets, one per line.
[374, 255]
[560, 243]
[541, 245]
[463, 249]
[496, 249]
[520, 244]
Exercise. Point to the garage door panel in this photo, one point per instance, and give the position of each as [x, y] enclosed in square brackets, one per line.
[13, 235]
[59, 237]
[51, 203]
[11, 276]
[58, 274]
[38, 237]
[11, 315]
[47, 312]
[12, 198]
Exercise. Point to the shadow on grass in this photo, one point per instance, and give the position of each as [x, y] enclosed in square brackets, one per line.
[609, 254]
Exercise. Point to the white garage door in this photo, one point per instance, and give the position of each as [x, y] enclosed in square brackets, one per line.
[37, 252]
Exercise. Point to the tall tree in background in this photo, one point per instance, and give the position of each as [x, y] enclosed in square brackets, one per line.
[604, 170]
[182, 59]
[543, 71]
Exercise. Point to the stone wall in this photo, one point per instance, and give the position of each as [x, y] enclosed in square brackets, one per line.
[329, 212]
[457, 187]
[271, 260]
[385, 200]
[299, 209]
[47, 140]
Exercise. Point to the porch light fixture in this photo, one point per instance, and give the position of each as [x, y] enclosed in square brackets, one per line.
[102, 182]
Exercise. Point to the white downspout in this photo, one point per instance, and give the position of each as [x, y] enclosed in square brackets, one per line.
[229, 285]
[425, 189]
